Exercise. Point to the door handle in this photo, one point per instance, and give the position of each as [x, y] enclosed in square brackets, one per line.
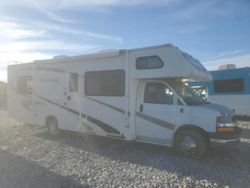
[141, 108]
[181, 110]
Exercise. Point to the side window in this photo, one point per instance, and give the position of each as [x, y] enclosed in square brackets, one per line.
[149, 62]
[105, 83]
[73, 82]
[231, 85]
[158, 93]
[24, 85]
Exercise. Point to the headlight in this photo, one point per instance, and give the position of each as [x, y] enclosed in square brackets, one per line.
[224, 120]
[224, 124]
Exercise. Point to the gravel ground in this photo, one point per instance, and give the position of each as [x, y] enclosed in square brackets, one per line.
[30, 157]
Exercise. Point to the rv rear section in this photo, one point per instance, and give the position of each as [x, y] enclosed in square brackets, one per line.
[136, 94]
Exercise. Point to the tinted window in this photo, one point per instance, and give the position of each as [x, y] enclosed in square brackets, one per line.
[158, 93]
[232, 85]
[105, 83]
[73, 82]
[24, 85]
[149, 62]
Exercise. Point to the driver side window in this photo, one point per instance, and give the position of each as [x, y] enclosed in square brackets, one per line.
[158, 93]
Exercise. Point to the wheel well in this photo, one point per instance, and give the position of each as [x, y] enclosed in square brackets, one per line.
[49, 118]
[191, 127]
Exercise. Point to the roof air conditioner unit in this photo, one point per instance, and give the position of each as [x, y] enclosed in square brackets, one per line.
[227, 67]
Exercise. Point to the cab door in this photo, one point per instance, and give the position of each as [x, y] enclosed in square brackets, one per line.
[156, 112]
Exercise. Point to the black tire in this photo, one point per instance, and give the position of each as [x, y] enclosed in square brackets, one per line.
[191, 143]
[52, 126]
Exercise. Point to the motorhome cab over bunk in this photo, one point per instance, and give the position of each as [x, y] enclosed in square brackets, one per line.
[135, 94]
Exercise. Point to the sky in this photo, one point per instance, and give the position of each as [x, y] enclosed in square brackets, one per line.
[215, 31]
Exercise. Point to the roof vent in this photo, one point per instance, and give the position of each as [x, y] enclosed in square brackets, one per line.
[227, 67]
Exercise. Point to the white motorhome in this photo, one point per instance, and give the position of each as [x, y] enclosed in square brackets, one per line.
[136, 94]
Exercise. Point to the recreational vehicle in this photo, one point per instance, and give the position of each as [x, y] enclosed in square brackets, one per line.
[136, 94]
[230, 87]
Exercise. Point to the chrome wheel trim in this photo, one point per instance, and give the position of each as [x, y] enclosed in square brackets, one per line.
[188, 145]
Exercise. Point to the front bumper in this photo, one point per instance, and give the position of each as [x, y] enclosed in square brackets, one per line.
[226, 137]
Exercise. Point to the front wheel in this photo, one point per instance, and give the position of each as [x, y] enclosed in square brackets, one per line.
[191, 143]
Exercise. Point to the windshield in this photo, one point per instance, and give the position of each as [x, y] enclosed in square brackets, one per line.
[187, 94]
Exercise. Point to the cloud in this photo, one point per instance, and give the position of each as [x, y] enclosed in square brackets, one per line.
[58, 4]
[102, 36]
[114, 2]
[15, 36]
[225, 54]
[78, 32]
[48, 7]
[51, 15]
[239, 61]
[44, 7]
[12, 30]
[192, 29]
[195, 10]
[44, 45]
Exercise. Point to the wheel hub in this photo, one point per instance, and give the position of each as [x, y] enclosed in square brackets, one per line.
[188, 145]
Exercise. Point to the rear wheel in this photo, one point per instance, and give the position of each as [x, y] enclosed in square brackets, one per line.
[191, 143]
[52, 126]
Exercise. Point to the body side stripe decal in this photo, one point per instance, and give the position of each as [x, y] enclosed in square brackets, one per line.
[73, 111]
[49, 101]
[97, 122]
[103, 125]
[156, 121]
[105, 104]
